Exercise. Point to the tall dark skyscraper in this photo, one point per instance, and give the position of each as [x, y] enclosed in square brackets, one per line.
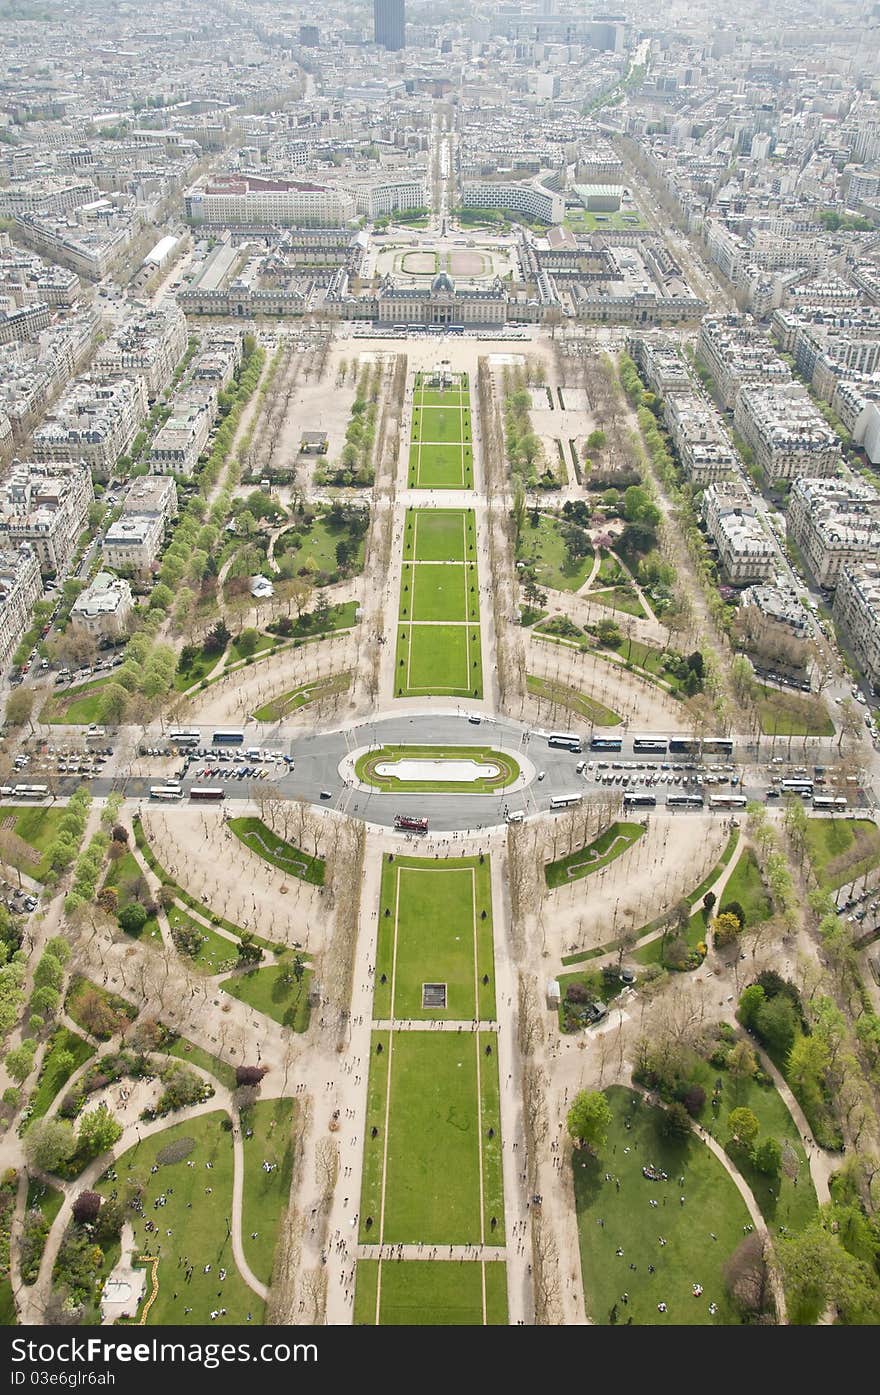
[389, 23]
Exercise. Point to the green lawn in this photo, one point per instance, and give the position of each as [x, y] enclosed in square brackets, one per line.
[292, 701]
[235, 655]
[842, 849]
[790, 1198]
[617, 839]
[266, 991]
[48, 1200]
[265, 1193]
[441, 466]
[509, 770]
[215, 954]
[317, 551]
[75, 706]
[200, 667]
[786, 714]
[690, 1256]
[126, 876]
[441, 660]
[187, 1051]
[38, 827]
[431, 1293]
[450, 424]
[7, 1304]
[439, 591]
[573, 700]
[432, 930]
[267, 845]
[622, 598]
[581, 221]
[746, 886]
[435, 1134]
[545, 547]
[439, 535]
[199, 1231]
[53, 1076]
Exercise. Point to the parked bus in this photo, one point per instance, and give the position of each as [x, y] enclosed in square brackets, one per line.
[685, 801]
[227, 738]
[409, 824]
[563, 801]
[642, 745]
[210, 792]
[678, 746]
[566, 740]
[166, 792]
[606, 743]
[830, 801]
[803, 787]
[632, 800]
[31, 791]
[717, 746]
[190, 737]
[727, 801]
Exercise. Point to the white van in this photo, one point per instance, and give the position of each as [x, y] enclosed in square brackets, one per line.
[516, 817]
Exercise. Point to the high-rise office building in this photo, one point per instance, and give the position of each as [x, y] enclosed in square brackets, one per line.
[389, 23]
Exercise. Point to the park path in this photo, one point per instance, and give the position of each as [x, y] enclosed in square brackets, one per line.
[822, 1163]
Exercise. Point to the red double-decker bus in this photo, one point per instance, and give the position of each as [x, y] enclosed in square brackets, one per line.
[409, 824]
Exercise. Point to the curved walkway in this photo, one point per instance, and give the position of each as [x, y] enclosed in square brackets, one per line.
[33, 1300]
[748, 1197]
[822, 1163]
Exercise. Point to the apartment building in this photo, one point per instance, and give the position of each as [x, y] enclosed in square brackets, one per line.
[102, 610]
[93, 421]
[23, 321]
[152, 495]
[89, 251]
[737, 354]
[253, 199]
[746, 552]
[179, 443]
[133, 542]
[219, 358]
[661, 363]
[701, 443]
[45, 506]
[857, 614]
[149, 345]
[786, 432]
[834, 521]
[20, 586]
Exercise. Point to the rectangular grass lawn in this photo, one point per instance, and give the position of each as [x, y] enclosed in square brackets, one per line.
[435, 923]
[448, 423]
[440, 466]
[431, 1156]
[438, 535]
[431, 1293]
[842, 849]
[437, 591]
[439, 659]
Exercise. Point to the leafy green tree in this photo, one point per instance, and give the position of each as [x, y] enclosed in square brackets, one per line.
[777, 1025]
[751, 1000]
[675, 1122]
[818, 1271]
[49, 1144]
[743, 1126]
[247, 642]
[133, 918]
[98, 1131]
[767, 1157]
[20, 1060]
[589, 1119]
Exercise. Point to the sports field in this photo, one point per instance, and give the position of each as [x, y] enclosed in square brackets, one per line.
[432, 1150]
[435, 926]
[438, 639]
[441, 448]
[421, 1293]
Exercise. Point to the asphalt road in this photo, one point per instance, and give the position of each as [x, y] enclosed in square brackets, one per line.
[317, 758]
